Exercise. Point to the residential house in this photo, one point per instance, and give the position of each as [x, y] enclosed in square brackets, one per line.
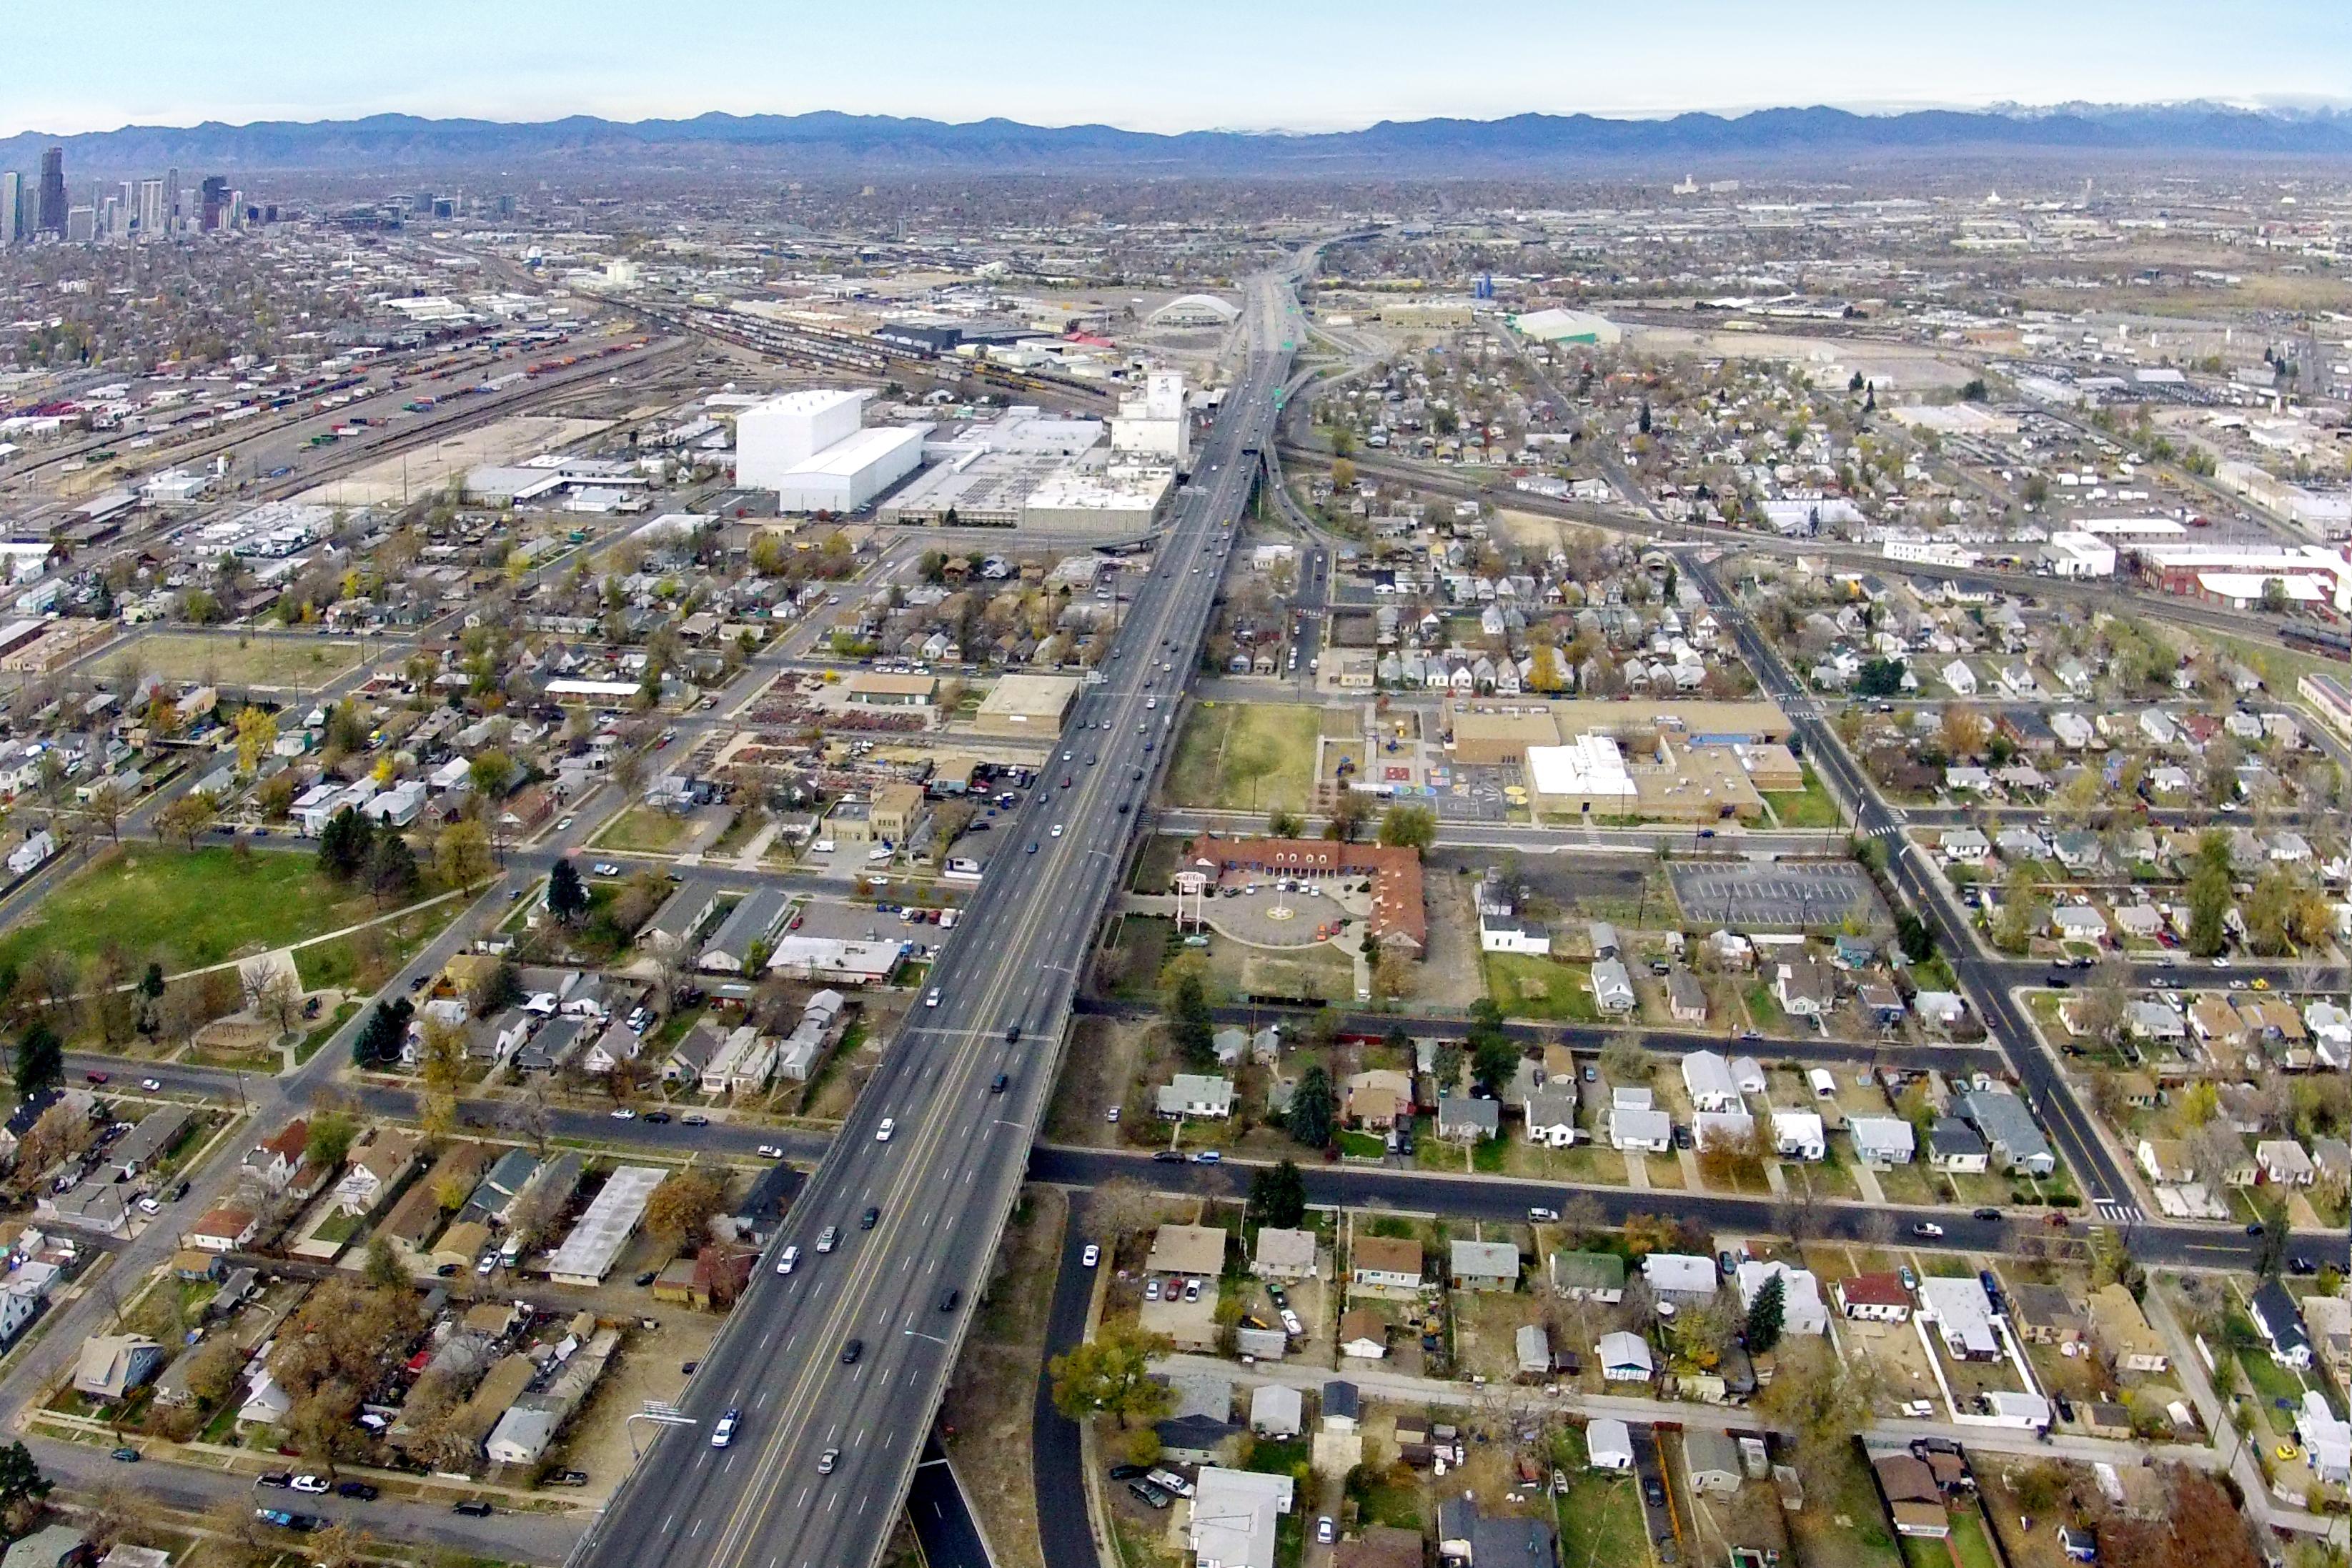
[1195, 1095]
[1804, 987]
[1711, 1462]
[2047, 1314]
[1386, 1263]
[1962, 1314]
[1706, 1079]
[111, 1366]
[1235, 1516]
[2282, 1161]
[1482, 1265]
[2281, 1325]
[2008, 1132]
[273, 1159]
[1624, 1358]
[1874, 1298]
[1681, 1278]
[1882, 1140]
[1613, 988]
[1276, 1411]
[1548, 1112]
[1362, 1334]
[1685, 996]
[1799, 1135]
[1283, 1254]
[1465, 1119]
[1953, 1147]
[1801, 1308]
[2123, 1330]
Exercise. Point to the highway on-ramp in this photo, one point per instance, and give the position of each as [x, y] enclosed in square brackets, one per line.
[851, 1351]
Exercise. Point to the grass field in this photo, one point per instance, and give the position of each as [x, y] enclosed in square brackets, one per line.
[1246, 756]
[1526, 987]
[1808, 808]
[285, 662]
[1599, 1516]
[186, 910]
[647, 829]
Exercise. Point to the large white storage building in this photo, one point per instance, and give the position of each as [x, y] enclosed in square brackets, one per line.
[809, 447]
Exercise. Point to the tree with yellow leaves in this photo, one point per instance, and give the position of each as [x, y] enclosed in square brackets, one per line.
[257, 732]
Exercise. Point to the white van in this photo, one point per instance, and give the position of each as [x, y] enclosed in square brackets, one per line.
[790, 1256]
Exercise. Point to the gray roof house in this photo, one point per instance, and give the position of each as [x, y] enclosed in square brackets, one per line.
[1466, 1119]
[1482, 1265]
[751, 924]
[2010, 1131]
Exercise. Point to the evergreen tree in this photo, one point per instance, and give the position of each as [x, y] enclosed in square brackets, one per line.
[567, 896]
[1277, 1197]
[1764, 1314]
[381, 1038]
[1309, 1118]
[40, 1061]
[391, 866]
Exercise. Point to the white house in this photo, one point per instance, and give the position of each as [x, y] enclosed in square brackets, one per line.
[1802, 1311]
[1880, 1141]
[1798, 1135]
[1651, 1132]
[1624, 1358]
[1608, 1444]
[1706, 1078]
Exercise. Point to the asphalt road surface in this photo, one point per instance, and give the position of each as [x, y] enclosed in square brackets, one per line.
[851, 1351]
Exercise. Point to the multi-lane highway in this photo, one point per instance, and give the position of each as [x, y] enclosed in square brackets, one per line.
[849, 1354]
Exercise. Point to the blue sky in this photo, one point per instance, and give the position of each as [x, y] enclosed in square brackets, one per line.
[85, 65]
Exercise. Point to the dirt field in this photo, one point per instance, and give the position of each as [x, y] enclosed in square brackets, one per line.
[597, 1441]
[1100, 1070]
[234, 661]
[991, 1396]
[400, 479]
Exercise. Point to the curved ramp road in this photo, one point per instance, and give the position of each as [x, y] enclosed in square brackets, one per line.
[852, 1350]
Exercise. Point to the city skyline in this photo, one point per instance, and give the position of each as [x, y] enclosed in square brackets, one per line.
[1379, 61]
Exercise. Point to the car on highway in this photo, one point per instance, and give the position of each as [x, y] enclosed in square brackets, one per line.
[786, 1258]
[1033, 846]
[882, 1133]
[851, 1351]
[870, 1218]
[1090, 1257]
[931, 998]
[1000, 1083]
[1926, 1230]
[827, 1460]
[724, 1433]
[828, 1238]
[949, 1299]
[1057, 830]
[152, 1085]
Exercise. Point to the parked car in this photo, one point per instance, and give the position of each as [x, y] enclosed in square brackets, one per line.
[368, 1491]
[473, 1508]
[1926, 1230]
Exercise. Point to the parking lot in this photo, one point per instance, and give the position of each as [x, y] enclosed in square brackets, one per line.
[1786, 896]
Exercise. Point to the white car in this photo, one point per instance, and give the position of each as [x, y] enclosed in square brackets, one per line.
[315, 1485]
[931, 998]
[771, 1152]
[1090, 1257]
[624, 1114]
[1057, 830]
[1927, 1230]
[152, 1085]
[1112, 1114]
[724, 1433]
[563, 824]
[148, 1204]
[784, 1262]
[605, 868]
[882, 1133]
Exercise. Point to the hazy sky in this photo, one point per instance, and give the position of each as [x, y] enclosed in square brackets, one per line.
[85, 65]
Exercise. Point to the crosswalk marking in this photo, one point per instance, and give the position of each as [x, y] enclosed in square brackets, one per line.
[2114, 1209]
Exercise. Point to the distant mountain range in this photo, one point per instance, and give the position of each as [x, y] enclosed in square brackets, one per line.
[1524, 145]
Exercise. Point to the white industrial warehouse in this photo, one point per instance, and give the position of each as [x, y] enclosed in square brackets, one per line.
[810, 448]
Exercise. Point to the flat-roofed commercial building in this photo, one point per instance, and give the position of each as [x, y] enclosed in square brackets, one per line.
[1027, 705]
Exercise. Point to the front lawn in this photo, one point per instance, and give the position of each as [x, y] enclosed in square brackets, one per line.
[1526, 986]
[187, 910]
[1808, 808]
[647, 829]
